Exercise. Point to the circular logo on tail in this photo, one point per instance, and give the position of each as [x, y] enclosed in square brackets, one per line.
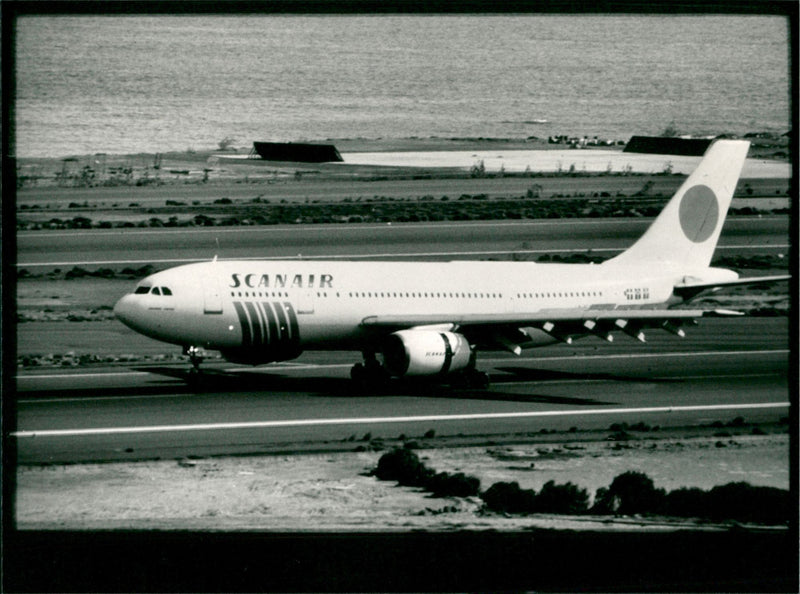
[699, 213]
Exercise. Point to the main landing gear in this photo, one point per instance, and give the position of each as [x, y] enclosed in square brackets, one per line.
[370, 374]
[470, 378]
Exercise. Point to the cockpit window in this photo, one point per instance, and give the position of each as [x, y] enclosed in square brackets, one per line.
[142, 290]
[156, 291]
[166, 291]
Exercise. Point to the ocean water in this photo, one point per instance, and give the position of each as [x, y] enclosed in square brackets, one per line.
[145, 84]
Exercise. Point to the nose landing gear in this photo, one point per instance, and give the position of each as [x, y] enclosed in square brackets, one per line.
[196, 356]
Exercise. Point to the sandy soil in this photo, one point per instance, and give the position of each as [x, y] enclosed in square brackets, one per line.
[320, 492]
[224, 166]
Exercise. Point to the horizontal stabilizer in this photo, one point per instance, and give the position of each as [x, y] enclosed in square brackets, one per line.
[689, 289]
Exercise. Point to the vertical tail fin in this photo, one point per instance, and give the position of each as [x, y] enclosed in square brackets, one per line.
[685, 233]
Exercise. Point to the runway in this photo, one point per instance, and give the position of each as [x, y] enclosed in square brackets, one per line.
[528, 239]
[725, 368]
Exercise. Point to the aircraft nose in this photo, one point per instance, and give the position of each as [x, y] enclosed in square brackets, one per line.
[126, 310]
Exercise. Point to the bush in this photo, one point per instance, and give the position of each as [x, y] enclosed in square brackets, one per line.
[76, 272]
[636, 493]
[444, 484]
[748, 503]
[80, 223]
[604, 503]
[687, 503]
[733, 501]
[510, 498]
[203, 221]
[562, 499]
[403, 466]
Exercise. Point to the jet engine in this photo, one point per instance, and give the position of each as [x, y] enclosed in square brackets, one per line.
[425, 352]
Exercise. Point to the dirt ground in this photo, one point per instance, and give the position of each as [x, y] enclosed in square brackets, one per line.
[334, 492]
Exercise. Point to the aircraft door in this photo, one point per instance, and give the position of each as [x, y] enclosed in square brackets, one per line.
[305, 304]
[212, 299]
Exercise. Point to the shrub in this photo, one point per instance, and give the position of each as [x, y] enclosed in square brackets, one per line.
[203, 221]
[80, 223]
[76, 272]
[562, 499]
[748, 503]
[403, 466]
[636, 493]
[686, 503]
[444, 484]
[604, 503]
[509, 498]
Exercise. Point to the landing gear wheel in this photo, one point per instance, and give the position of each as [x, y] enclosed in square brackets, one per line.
[471, 378]
[479, 379]
[196, 356]
[358, 373]
[369, 375]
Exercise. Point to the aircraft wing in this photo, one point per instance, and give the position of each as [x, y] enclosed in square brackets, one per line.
[560, 315]
[513, 332]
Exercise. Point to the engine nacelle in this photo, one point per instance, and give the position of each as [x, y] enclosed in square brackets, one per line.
[425, 352]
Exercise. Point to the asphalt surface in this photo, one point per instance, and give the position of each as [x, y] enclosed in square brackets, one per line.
[40, 251]
[725, 368]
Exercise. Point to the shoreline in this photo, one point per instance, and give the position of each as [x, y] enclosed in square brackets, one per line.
[365, 159]
[759, 140]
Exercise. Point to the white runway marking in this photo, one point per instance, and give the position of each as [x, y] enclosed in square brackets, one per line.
[386, 420]
[367, 256]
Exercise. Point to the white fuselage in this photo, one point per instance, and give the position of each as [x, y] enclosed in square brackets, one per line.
[431, 316]
[298, 305]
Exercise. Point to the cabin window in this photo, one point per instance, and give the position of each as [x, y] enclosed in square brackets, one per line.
[142, 290]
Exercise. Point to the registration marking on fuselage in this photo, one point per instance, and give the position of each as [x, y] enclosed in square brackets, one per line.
[388, 420]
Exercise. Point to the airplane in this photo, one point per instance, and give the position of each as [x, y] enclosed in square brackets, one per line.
[429, 319]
